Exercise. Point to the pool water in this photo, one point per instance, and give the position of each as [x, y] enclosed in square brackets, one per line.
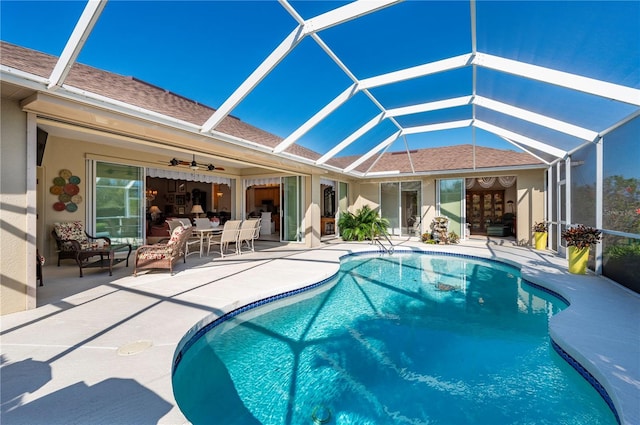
[402, 339]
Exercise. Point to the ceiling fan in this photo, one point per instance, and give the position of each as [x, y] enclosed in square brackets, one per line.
[194, 165]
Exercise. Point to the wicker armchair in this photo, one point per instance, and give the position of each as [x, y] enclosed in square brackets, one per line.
[163, 255]
[71, 239]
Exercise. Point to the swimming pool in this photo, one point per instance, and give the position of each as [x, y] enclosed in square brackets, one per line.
[408, 338]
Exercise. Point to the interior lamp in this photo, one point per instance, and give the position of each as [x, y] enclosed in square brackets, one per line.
[150, 194]
[510, 205]
[197, 210]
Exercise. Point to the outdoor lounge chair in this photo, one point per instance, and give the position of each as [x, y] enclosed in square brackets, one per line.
[163, 255]
[229, 235]
[249, 231]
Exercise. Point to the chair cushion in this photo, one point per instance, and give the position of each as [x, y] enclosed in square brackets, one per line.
[175, 236]
[73, 230]
[160, 253]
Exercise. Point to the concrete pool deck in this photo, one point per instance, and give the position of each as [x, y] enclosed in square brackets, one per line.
[99, 349]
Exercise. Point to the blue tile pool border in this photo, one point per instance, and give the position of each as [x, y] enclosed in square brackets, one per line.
[588, 376]
[231, 314]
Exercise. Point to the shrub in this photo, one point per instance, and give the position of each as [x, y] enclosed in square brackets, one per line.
[541, 227]
[364, 224]
[581, 236]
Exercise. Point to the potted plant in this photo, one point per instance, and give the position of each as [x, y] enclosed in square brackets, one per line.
[540, 235]
[579, 239]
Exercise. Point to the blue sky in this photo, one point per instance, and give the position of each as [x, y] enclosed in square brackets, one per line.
[205, 49]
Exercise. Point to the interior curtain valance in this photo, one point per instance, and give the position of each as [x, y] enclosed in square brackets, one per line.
[507, 181]
[486, 182]
[328, 182]
[470, 183]
[188, 176]
[268, 180]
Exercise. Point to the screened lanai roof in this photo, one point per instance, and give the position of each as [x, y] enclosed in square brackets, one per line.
[340, 83]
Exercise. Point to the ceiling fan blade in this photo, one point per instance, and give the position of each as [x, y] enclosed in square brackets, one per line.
[193, 165]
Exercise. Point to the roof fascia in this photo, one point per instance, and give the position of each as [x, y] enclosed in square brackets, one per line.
[374, 178]
[563, 79]
[22, 78]
[83, 28]
[76, 95]
[520, 138]
[564, 127]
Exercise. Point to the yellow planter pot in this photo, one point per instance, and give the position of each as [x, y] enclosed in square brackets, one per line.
[578, 260]
[540, 239]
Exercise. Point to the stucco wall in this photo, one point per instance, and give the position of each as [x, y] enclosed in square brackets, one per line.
[61, 154]
[18, 279]
[530, 202]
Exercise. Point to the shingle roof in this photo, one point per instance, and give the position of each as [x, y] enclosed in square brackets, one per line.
[138, 93]
[144, 95]
[442, 159]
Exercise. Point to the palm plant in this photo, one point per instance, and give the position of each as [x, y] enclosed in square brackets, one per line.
[365, 224]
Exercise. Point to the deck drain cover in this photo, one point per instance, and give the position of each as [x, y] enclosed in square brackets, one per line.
[134, 347]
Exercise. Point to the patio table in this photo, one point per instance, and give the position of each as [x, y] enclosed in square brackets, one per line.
[206, 231]
[107, 256]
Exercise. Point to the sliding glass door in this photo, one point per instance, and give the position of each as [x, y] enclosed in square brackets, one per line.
[400, 204]
[292, 209]
[450, 194]
[118, 202]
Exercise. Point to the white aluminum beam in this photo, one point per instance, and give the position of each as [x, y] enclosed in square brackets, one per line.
[564, 127]
[276, 56]
[345, 13]
[352, 138]
[525, 149]
[436, 127]
[388, 141]
[430, 106]
[311, 26]
[416, 71]
[319, 116]
[76, 41]
[563, 79]
[518, 138]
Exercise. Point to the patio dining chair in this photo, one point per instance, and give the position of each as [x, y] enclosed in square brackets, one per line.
[249, 232]
[228, 236]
